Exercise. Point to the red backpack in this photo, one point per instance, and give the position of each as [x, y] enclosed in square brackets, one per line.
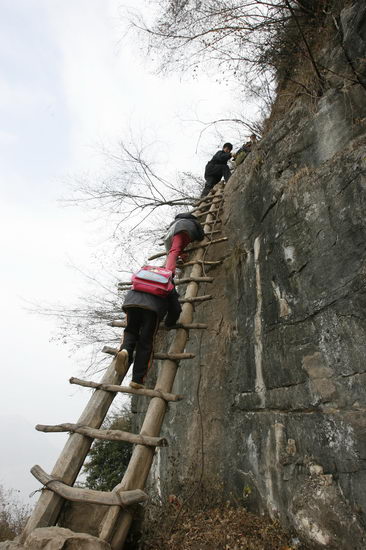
[153, 280]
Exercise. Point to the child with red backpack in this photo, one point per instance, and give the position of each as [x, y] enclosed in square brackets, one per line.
[153, 297]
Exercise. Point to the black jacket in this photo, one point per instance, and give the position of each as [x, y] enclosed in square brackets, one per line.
[162, 306]
[219, 158]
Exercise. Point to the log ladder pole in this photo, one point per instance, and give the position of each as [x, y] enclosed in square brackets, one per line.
[116, 523]
[59, 485]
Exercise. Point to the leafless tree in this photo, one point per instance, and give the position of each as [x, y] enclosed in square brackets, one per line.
[244, 39]
[13, 514]
[132, 189]
[138, 203]
[86, 325]
[235, 36]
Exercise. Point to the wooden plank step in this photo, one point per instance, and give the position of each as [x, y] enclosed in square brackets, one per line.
[197, 246]
[207, 233]
[195, 299]
[199, 211]
[116, 498]
[188, 326]
[117, 323]
[214, 231]
[126, 389]
[206, 207]
[172, 356]
[209, 212]
[208, 199]
[213, 222]
[186, 280]
[183, 281]
[108, 435]
[203, 262]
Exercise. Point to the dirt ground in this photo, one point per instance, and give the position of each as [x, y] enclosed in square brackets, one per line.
[219, 528]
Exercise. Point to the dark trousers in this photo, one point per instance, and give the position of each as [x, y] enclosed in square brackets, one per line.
[220, 171]
[139, 335]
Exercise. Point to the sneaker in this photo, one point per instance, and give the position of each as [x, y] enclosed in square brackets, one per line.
[182, 258]
[121, 365]
[136, 385]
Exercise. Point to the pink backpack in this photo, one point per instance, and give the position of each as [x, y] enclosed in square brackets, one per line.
[153, 280]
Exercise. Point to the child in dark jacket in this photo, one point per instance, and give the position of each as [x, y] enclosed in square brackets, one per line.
[185, 229]
[217, 168]
[144, 312]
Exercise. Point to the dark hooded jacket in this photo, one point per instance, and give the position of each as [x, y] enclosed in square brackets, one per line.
[162, 306]
[220, 158]
[184, 222]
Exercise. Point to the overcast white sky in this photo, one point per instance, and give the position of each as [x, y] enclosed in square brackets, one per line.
[67, 82]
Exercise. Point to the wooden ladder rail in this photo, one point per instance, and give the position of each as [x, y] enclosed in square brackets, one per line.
[116, 523]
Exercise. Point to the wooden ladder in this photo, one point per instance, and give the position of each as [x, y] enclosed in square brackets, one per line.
[58, 485]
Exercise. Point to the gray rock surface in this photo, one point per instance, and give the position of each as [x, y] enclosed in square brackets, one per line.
[10, 545]
[82, 517]
[276, 397]
[58, 538]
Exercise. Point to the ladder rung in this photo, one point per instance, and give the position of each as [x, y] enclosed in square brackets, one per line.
[187, 326]
[194, 280]
[203, 245]
[209, 232]
[214, 241]
[126, 389]
[209, 212]
[204, 262]
[176, 282]
[207, 203]
[108, 435]
[118, 323]
[213, 222]
[206, 206]
[195, 247]
[172, 356]
[209, 199]
[195, 299]
[188, 300]
[116, 497]
[123, 324]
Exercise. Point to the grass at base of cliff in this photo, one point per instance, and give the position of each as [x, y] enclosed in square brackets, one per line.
[218, 528]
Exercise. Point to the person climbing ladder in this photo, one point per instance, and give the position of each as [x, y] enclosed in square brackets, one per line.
[144, 312]
[185, 229]
[217, 168]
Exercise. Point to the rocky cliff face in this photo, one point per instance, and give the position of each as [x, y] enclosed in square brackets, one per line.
[276, 400]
